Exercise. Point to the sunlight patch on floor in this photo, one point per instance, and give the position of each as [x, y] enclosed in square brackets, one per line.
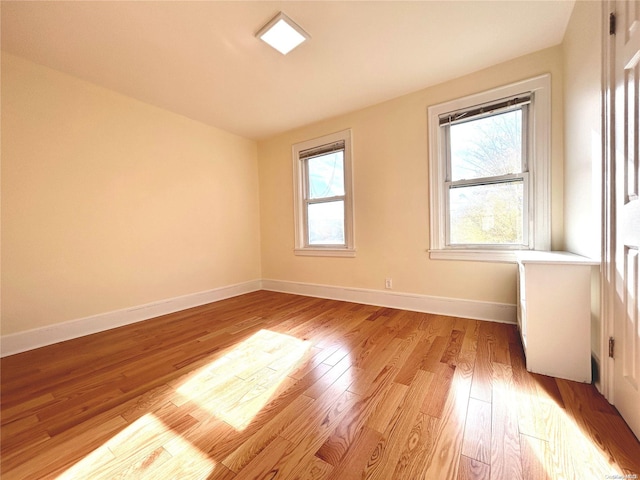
[233, 388]
[146, 449]
[236, 386]
[558, 443]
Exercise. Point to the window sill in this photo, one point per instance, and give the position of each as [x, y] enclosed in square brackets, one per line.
[500, 256]
[325, 252]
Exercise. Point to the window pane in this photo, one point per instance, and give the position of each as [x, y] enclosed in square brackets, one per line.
[487, 214]
[487, 147]
[326, 223]
[326, 175]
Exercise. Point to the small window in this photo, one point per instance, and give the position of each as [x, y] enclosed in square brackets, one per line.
[323, 206]
[489, 173]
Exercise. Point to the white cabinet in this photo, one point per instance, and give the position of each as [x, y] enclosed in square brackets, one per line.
[554, 313]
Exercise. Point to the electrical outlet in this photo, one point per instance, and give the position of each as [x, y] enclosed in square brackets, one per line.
[388, 283]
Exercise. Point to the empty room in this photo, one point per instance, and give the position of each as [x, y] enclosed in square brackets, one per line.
[320, 240]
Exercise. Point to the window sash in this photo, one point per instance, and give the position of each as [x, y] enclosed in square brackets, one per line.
[308, 242]
[322, 150]
[476, 113]
[305, 172]
[524, 159]
[524, 178]
[486, 180]
[307, 227]
[304, 158]
[479, 111]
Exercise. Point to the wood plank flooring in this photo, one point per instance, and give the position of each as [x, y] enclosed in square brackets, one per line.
[276, 386]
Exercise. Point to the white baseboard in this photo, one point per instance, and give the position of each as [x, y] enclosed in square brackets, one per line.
[39, 337]
[491, 311]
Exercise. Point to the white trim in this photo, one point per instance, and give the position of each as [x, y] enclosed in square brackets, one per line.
[539, 159]
[325, 252]
[347, 250]
[496, 256]
[607, 270]
[40, 337]
[491, 311]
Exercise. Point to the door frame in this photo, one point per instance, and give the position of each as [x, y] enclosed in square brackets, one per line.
[607, 268]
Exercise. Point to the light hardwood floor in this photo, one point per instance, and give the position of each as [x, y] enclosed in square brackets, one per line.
[269, 385]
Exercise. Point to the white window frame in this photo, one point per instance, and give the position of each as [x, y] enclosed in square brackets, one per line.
[300, 201]
[537, 197]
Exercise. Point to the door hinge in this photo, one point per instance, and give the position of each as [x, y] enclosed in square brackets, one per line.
[612, 344]
[612, 24]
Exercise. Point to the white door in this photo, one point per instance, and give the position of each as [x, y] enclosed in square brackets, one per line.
[626, 228]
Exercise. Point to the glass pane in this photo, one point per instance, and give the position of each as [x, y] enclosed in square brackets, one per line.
[487, 214]
[326, 175]
[487, 147]
[326, 223]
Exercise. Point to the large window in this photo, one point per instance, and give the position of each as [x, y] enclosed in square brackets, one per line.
[489, 173]
[323, 206]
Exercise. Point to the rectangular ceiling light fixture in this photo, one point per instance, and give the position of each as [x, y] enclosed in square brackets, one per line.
[282, 33]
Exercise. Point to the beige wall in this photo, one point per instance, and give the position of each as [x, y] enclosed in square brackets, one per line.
[583, 132]
[109, 203]
[391, 195]
[582, 48]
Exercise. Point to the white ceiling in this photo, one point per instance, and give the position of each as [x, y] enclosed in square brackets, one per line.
[202, 60]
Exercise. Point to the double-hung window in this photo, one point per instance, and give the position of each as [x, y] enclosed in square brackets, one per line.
[489, 173]
[324, 204]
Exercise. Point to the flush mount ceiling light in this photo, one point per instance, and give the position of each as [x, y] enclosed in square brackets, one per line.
[282, 33]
